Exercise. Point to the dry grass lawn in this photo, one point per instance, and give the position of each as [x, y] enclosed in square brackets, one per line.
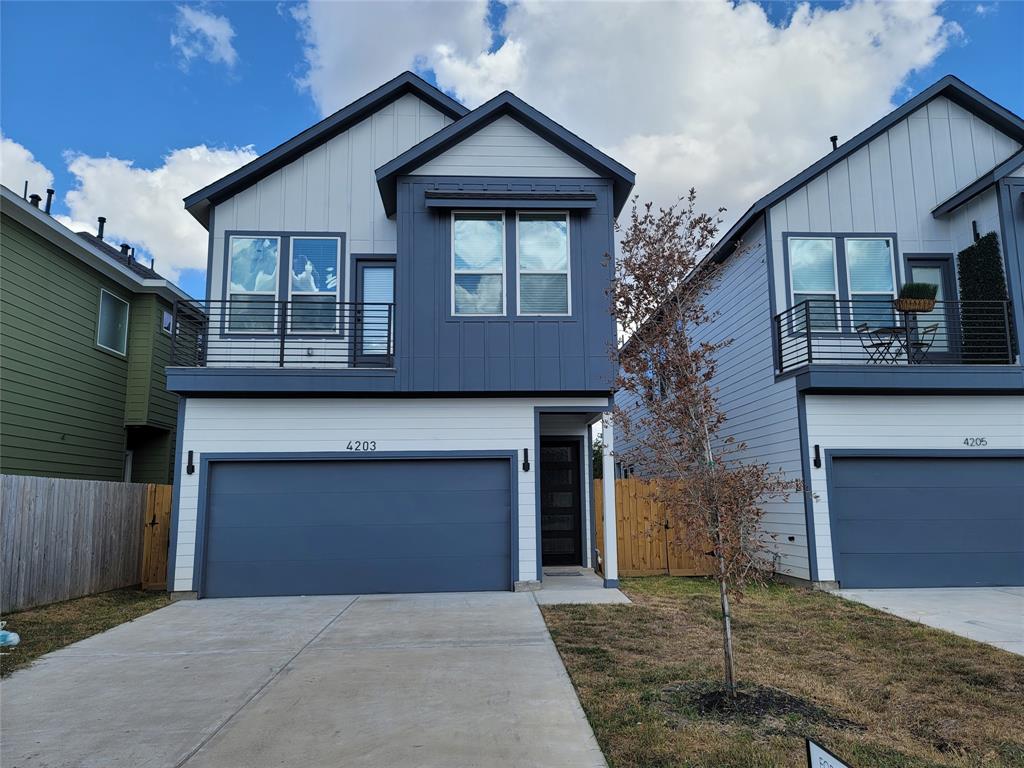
[54, 626]
[916, 696]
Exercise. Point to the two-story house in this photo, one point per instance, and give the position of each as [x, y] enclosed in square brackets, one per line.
[85, 336]
[405, 342]
[907, 429]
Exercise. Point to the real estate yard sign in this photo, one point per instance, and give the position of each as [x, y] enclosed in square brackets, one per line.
[819, 757]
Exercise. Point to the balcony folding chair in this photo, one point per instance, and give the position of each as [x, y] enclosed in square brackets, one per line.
[877, 345]
[922, 342]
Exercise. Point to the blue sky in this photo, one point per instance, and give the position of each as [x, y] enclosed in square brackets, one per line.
[103, 79]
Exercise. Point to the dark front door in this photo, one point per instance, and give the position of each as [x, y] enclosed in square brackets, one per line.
[945, 338]
[560, 507]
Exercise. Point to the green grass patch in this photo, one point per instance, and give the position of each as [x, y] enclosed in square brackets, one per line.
[876, 689]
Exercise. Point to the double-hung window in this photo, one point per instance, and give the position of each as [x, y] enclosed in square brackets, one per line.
[478, 263]
[871, 280]
[112, 323]
[812, 274]
[313, 284]
[253, 264]
[542, 244]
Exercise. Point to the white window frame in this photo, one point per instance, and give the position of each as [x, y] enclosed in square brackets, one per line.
[273, 294]
[337, 289]
[167, 313]
[567, 272]
[99, 321]
[504, 259]
[835, 278]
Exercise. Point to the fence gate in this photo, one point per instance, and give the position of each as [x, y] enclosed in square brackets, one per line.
[647, 547]
[156, 537]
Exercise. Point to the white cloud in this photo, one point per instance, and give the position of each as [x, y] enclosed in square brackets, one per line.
[18, 165]
[143, 205]
[353, 47]
[198, 33]
[708, 94]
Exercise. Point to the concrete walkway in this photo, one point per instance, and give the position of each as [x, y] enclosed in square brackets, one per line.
[389, 680]
[993, 615]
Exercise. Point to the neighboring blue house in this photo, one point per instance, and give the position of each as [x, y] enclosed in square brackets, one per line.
[906, 429]
[405, 342]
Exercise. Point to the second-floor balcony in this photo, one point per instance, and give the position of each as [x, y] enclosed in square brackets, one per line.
[874, 332]
[307, 332]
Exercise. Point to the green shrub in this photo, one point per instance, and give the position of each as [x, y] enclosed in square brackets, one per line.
[986, 338]
[919, 291]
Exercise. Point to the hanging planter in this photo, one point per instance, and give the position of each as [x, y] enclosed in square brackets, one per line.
[917, 297]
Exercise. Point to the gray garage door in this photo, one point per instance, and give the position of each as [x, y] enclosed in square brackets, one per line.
[345, 527]
[928, 522]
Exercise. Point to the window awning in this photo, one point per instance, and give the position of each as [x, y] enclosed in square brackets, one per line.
[451, 199]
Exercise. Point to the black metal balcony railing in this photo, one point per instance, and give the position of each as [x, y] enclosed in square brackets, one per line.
[306, 332]
[874, 332]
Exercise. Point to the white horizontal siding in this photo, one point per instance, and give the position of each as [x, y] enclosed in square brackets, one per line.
[505, 147]
[331, 188]
[887, 423]
[283, 425]
[893, 183]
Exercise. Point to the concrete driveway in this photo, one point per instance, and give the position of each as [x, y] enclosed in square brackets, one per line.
[410, 680]
[993, 615]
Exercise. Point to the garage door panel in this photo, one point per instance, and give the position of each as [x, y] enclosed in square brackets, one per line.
[929, 535]
[880, 571]
[357, 526]
[254, 509]
[928, 521]
[361, 576]
[283, 543]
[914, 472]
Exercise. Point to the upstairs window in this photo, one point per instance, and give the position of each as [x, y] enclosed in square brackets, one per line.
[253, 264]
[812, 273]
[543, 258]
[869, 271]
[478, 263]
[112, 325]
[314, 285]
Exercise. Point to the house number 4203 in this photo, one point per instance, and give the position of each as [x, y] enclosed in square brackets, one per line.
[975, 442]
[362, 445]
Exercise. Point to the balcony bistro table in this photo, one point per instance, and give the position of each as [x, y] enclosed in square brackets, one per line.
[888, 343]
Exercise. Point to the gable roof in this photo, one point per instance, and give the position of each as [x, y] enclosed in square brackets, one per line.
[505, 103]
[90, 250]
[983, 182]
[953, 88]
[200, 202]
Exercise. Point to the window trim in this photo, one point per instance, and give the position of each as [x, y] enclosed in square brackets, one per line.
[127, 319]
[167, 313]
[275, 294]
[359, 262]
[290, 292]
[835, 277]
[504, 260]
[567, 272]
[892, 267]
[842, 275]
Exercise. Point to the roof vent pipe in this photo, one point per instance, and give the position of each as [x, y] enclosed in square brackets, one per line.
[835, 141]
[24, 193]
[49, 199]
[102, 221]
[33, 200]
[125, 249]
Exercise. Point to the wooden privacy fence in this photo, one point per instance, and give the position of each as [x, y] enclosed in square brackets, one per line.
[63, 538]
[646, 547]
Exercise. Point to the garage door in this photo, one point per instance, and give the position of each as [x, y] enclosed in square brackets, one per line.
[928, 522]
[360, 526]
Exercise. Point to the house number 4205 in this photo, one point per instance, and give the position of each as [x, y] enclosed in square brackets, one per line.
[975, 442]
[362, 445]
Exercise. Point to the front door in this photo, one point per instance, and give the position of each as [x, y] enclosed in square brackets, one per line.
[937, 270]
[560, 503]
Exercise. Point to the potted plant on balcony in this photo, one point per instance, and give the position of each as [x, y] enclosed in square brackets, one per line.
[917, 297]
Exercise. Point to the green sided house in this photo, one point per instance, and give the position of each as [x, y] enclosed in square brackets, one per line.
[84, 338]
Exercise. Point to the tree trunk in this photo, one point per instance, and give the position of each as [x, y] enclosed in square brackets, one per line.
[730, 682]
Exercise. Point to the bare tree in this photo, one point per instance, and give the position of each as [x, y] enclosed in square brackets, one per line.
[674, 428]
